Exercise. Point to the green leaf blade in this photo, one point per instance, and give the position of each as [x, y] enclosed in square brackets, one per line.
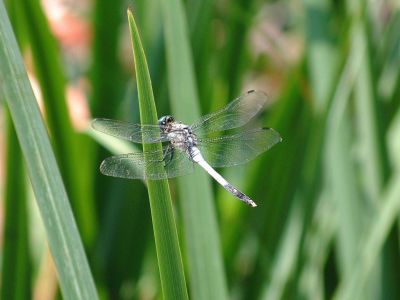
[166, 237]
[16, 268]
[204, 252]
[72, 267]
[66, 143]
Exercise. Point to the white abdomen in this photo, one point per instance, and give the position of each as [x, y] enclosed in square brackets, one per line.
[195, 156]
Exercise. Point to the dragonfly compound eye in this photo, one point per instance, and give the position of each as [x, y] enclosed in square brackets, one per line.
[163, 120]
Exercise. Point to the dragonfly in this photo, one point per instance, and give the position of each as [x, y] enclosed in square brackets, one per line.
[207, 143]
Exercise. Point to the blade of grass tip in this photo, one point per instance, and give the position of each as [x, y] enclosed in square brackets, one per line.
[73, 270]
[206, 267]
[166, 236]
[16, 269]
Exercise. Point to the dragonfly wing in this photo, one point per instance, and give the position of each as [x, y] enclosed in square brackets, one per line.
[236, 114]
[128, 131]
[236, 149]
[157, 165]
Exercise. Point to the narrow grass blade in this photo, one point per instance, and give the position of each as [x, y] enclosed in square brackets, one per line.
[340, 170]
[372, 242]
[106, 75]
[202, 36]
[16, 268]
[206, 268]
[280, 202]
[373, 150]
[166, 237]
[374, 165]
[322, 77]
[73, 269]
[66, 143]
[390, 73]
[286, 257]
[122, 217]
[322, 53]
[233, 62]
[365, 278]
[319, 238]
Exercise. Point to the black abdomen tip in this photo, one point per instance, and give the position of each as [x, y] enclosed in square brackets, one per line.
[246, 199]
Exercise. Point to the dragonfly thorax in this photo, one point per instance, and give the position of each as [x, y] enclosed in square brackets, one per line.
[181, 136]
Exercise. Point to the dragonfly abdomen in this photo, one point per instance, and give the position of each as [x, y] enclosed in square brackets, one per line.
[194, 154]
[198, 158]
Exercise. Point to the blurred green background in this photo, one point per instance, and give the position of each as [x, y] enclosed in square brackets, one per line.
[327, 224]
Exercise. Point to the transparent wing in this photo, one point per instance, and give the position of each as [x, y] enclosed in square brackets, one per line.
[128, 131]
[134, 166]
[236, 149]
[234, 115]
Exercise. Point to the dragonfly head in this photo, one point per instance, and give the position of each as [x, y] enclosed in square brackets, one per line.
[165, 120]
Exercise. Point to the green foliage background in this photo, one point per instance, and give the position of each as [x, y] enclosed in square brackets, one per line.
[327, 224]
